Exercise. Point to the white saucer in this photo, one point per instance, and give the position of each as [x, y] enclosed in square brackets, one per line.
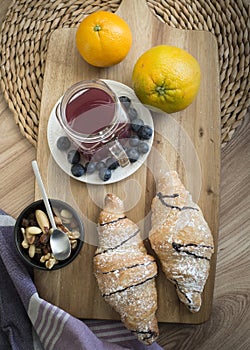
[54, 131]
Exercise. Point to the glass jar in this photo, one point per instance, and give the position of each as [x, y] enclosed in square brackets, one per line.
[92, 116]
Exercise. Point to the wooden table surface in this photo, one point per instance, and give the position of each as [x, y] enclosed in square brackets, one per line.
[229, 325]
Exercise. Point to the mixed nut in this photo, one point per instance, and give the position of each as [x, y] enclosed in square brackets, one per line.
[36, 231]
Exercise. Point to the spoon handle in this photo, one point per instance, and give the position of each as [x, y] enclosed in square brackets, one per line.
[44, 195]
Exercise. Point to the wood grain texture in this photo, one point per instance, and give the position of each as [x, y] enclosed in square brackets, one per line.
[189, 142]
[228, 326]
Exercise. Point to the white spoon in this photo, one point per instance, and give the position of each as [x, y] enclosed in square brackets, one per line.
[59, 241]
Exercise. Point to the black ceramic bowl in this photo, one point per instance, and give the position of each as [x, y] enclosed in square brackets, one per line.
[57, 205]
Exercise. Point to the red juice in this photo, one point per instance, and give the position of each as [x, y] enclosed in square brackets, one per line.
[90, 111]
[94, 114]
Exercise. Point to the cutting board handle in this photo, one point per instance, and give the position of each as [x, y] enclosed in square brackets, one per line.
[136, 8]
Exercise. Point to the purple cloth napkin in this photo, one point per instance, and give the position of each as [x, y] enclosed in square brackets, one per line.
[29, 322]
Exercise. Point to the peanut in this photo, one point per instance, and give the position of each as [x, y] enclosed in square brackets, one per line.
[32, 250]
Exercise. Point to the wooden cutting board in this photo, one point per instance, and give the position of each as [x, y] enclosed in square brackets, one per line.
[188, 142]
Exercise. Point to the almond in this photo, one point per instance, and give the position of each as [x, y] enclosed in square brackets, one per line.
[42, 220]
[33, 230]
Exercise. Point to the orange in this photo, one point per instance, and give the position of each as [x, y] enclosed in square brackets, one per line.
[166, 77]
[103, 39]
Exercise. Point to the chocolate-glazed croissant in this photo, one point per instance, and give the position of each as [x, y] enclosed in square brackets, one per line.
[181, 239]
[125, 272]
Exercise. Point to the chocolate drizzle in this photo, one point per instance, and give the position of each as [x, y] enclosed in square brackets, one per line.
[129, 267]
[112, 222]
[178, 247]
[163, 196]
[190, 303]
[174, 195]
[119, 245]
[146, 334]
[181, 291]
[123, 289]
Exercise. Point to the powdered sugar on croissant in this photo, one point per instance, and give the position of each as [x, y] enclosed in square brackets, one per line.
[125, 272]
[182, 239]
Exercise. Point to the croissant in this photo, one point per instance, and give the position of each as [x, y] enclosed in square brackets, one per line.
[181, 239]
[124, 271]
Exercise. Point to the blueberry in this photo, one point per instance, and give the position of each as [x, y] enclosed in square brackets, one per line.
[145, 132]
[125, 100]
[90, 167]
[73, 157]
[63, 143]
[136, 124]
[132, 113]
[112, 163]
[105, 174]
[143, 147]
[133, 155]
[134, 140]
[78, 170]
[100, 165]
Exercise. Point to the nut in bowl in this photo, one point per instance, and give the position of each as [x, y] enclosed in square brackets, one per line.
[32, 233]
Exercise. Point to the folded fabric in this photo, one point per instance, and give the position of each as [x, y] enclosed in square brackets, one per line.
[30, 322]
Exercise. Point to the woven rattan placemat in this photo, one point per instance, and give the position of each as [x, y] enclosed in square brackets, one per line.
[28, 24]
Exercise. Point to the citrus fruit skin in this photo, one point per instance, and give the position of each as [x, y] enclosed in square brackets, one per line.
[166, 77]
[103, 39]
